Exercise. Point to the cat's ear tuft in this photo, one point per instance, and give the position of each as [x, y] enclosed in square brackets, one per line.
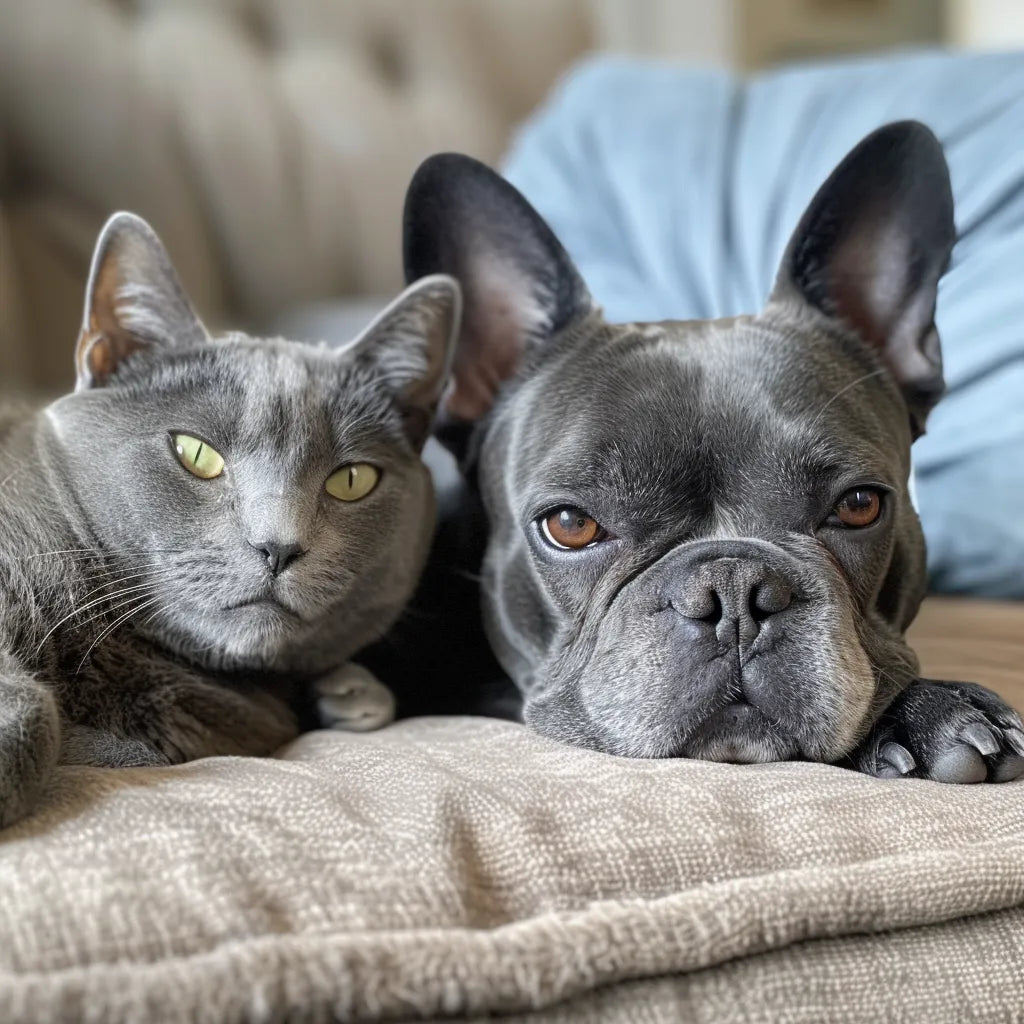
[519, 285]
[133, 300]
[871, 248]
[411, 344]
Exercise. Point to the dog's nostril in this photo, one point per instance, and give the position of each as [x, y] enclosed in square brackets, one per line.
[714, 615]
[769, 598]
[702, 604]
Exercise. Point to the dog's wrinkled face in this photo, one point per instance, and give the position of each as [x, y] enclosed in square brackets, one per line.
[718, 606]
[702, 542]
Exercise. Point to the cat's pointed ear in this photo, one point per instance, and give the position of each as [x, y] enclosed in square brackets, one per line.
[519, 286]
[133, 300]
[410, 345]
[871, 248]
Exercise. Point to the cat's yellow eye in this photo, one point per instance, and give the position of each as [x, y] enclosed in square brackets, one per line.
[198, 457]
[352, 482]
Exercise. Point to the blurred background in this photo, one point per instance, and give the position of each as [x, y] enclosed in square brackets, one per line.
[270, 141]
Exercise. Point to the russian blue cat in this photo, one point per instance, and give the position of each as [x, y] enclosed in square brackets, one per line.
[207, 528]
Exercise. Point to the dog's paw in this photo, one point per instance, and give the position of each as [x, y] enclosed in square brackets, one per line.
[949, 732]
[352, 698]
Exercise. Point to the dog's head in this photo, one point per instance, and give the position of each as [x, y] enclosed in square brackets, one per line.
[702, 542]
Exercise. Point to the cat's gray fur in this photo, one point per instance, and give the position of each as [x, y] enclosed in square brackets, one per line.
[119, 644]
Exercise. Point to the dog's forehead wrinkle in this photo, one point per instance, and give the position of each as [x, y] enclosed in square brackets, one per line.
[689, 431]
[834, 418]
[575, 412]
[681, 420]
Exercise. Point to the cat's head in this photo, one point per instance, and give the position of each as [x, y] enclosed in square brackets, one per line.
[266, 497]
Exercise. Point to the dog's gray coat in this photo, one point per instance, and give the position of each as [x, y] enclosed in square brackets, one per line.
[726, 613]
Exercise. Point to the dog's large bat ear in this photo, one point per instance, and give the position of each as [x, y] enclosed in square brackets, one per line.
[519, 285]
[871, 248]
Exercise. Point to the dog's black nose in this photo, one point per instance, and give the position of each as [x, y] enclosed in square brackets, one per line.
[733, 594]
[279, 556]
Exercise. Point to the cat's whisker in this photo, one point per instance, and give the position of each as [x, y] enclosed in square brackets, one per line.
[103, 553]
[127, 562]
[161, 607]
[92, 604]
[94, 552]
[108, 611]
[110, 629]
[152, 583]
[153, 572]
[117, 594]
[127, 567]
[104, 612]
[115, 576]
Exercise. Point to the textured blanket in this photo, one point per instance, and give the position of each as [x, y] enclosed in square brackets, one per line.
[461, 867]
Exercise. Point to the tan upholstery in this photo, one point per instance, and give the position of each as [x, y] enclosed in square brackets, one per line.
[268, 141]
[460, 866]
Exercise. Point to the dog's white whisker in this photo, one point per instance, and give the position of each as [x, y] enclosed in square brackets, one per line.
[842, 391]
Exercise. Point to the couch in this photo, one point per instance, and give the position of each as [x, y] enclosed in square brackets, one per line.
[442, 867]
[269, 142]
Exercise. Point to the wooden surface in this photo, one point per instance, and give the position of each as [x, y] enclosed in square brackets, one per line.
[977, 641]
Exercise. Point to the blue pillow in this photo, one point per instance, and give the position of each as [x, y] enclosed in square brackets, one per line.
[675, 189]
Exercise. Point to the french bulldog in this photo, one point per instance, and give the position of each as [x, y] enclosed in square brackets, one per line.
[699, 539]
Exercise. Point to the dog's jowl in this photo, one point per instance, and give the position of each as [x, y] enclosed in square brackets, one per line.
[700, 538]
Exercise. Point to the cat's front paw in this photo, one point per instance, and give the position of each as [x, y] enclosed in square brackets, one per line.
[354, 699]
[949, 732]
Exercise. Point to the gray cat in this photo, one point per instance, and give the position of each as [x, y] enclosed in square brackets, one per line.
[207, 528]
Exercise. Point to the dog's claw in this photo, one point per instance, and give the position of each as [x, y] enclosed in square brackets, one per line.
[948, 732]
[899, 757]
[1015, 737]
[980, 737]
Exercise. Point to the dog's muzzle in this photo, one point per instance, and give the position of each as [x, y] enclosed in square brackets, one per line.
[731, 589]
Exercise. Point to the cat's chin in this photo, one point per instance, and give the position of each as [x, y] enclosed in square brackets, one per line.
[259, 609]
[253, 634]
[257, 632]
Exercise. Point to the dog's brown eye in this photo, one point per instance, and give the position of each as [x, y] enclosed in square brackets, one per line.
[859, 507]
[571, 529]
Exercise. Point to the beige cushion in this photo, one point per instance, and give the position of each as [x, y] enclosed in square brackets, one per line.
[460, 866]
